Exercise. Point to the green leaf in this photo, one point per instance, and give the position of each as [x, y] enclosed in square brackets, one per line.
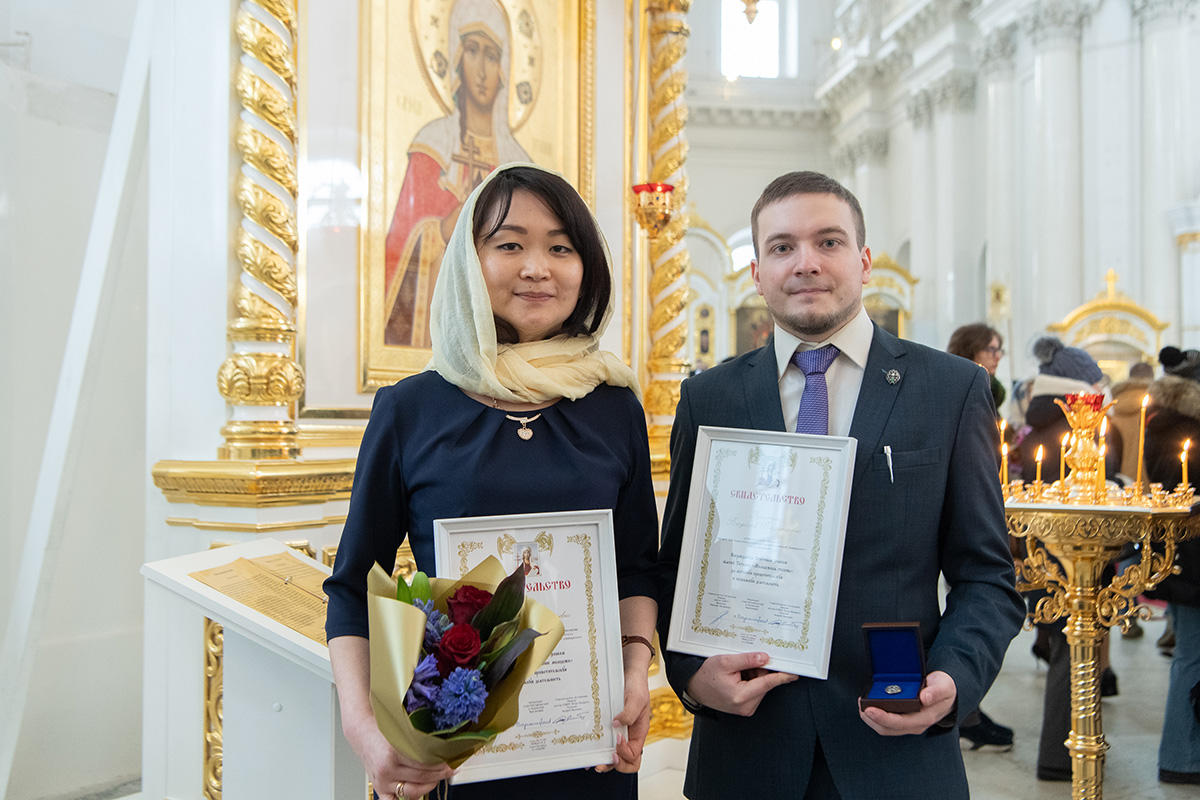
[502, 664]
[403, 593]
[446, 731]
[422, 719]
[420, 587]
[502, 634]
[505, 604]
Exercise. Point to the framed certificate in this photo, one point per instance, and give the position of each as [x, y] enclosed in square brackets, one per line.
[762, 547]
[568, 705]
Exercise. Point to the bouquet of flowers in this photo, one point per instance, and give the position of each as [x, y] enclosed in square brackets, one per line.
[449, 658]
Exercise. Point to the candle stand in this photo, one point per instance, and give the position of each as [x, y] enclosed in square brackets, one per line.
[1073, 528]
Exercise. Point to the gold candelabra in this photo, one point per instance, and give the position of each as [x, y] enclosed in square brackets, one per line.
[1073, 528]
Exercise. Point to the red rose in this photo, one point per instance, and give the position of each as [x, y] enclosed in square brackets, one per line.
[466, 602]
[459, 648]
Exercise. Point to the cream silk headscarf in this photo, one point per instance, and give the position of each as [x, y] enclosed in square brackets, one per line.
[463, 330]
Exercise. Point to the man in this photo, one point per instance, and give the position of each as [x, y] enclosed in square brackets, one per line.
[934, 507]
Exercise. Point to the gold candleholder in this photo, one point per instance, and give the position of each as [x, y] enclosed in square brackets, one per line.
[653, 210]
[1073, 529]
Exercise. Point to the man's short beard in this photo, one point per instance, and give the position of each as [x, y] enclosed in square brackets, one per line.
[811, 325]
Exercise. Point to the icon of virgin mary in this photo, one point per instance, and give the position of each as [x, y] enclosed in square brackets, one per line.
[446, 160]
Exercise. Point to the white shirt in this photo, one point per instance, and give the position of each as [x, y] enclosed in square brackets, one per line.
[844, 376]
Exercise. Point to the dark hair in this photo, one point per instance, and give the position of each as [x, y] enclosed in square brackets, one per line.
[564, 202]
[970, 339]
[794, 183]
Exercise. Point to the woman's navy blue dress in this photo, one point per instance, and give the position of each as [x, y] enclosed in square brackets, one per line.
[431, 452]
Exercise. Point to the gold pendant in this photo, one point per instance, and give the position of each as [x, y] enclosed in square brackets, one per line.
[524, 432]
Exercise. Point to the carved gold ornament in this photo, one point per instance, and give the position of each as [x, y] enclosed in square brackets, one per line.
[669, 259]
[262, 370]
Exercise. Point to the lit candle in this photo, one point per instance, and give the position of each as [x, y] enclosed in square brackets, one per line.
[1141, 442]
[1062, 458]
[1103, 429]
[1040, 453]
[1004, 464]
[1100, 470]
[1183, 460]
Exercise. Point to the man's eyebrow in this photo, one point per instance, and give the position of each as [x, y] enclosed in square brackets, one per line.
[832, 229]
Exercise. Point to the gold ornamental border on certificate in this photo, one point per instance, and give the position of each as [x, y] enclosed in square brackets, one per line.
[585, 541]
[826, 465]
[380, 365]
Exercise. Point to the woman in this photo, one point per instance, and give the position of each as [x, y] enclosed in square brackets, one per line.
[521, 412]
[984, 345]
[447, 159]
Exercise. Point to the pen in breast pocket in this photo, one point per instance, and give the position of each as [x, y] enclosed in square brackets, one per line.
[887, 451]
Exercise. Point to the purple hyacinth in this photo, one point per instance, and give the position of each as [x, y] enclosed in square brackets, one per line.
[461, 698]
[436, 623]
[423, 691]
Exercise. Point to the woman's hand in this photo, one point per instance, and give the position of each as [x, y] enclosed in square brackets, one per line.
[392, 774]
[636, 716]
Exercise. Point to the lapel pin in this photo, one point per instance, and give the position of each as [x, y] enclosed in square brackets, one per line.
[892, 376]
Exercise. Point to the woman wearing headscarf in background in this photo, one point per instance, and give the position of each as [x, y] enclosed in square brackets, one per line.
[1174, 417]
[1062, 371]
[520, 304]
[446, 161]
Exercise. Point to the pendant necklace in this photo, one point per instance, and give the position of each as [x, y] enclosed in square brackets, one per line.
[524, 432]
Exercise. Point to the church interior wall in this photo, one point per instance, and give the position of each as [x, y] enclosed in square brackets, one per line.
[81, 726]
[150, 390]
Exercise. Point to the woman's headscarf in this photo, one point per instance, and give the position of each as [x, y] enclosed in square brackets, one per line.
[463, 331]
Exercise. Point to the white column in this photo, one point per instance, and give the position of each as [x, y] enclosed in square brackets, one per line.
[1000, 187]
[958, 204]
[924, 224]
[1185, 225]
[1057, 271]
[870, 186]
[1167, 160]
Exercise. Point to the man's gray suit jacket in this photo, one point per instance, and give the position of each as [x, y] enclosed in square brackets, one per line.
[942, 515]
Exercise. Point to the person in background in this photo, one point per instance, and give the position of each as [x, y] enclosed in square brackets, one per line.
[1173, 419]
[519, 412]
[984, 345]
[1062, 371]
[1125, 416]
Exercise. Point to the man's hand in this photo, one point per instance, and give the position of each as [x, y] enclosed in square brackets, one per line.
[937, 698]
[735, 684]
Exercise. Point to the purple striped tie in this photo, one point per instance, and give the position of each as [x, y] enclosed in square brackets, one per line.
[814, 403]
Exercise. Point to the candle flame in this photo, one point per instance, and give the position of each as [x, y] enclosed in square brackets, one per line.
[1145, 400]
[1103, 426]
[1066, 439]
[1039, 454]
[1004, 448]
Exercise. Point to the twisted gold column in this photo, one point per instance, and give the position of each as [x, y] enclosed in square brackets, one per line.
[669, 258]
[261, 378]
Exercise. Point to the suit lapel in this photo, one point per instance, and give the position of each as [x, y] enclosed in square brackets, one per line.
[762, 389]
[876, 396]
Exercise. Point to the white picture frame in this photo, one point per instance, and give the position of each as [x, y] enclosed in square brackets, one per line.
[567, 707]
[761, 556]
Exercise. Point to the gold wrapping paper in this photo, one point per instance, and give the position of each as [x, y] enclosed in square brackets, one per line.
[397, 630]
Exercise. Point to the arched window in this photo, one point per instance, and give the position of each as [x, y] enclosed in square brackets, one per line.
[750, 50]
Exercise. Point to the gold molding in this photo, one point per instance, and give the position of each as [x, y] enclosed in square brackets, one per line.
[1112, 313]
[266, 239]
[669, 294]
[256, 527]
[254, 484]
[668, 718]
[330, 436]
[1184, 240]
[214, 690]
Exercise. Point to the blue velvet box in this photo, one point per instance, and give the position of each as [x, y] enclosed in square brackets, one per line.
[896, 659]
